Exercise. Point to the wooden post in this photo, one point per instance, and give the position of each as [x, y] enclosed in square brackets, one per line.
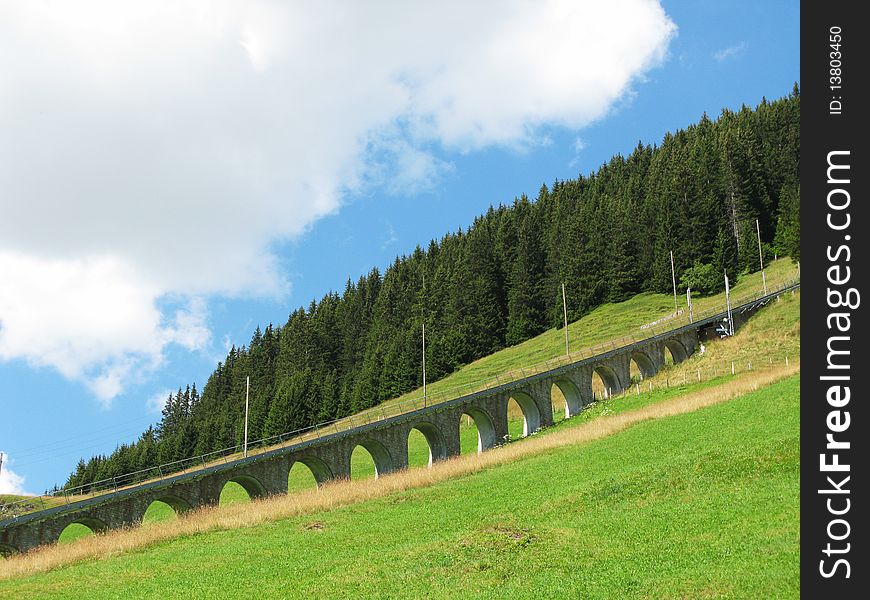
[674, 279]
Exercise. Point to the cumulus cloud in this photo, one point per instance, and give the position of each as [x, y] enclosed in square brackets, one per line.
[10, 481]
[159, 149]
[93, 319]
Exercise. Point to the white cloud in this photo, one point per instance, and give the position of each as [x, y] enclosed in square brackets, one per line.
[156, 402]
[730, 52]
[578, 147]
[159, 149]
[10, 481]
[93, 319]
[390, 237]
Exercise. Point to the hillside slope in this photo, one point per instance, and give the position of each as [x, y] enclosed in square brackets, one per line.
[683, 506]
[605, 237]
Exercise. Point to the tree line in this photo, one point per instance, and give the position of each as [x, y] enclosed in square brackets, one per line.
[607, 236]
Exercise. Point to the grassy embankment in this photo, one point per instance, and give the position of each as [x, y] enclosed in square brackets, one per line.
[607, 322]
[692, 496]
[762, 339]
[772, 335]
[774, 332]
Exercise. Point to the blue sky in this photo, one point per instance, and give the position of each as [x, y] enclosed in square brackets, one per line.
[180, 283]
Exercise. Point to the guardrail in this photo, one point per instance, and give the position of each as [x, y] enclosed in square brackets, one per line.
[372, 415]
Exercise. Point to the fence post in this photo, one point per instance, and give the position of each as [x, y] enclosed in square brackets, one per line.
[732, 367]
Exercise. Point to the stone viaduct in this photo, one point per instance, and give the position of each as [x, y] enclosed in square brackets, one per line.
[329, 457]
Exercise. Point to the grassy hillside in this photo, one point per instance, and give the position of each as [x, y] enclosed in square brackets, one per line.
[697, 504]
[769, 336]
[607, 322]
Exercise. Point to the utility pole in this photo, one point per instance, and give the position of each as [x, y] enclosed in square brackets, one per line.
[424, 364]
[1, 463]
[247, 394]
[689, 302]
[424, 338]
[760, 257]
[674, 279]
[728, 305]
[565, 311]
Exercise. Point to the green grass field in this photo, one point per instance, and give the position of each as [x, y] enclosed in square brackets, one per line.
[703, 504]
[774, 331]
[605, 323]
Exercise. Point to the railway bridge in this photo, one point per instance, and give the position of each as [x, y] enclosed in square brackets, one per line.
[329, 456]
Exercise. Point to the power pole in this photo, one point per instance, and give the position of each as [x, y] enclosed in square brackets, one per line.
[247, 394]
[1, 463]
[760, 256]
[565, 311]
[424, 338]
[689, 302]
[728, 305]
[674, 279]
[424, 364]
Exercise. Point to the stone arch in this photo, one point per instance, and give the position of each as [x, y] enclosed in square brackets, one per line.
[435, 439]
[677, 349]
[380, 455]
[321, 471]
[252, 485]
[92, 523]
[7, 550]
[95, 525]
[485, 427]
[531, 413]
[644, 363]
[573, 400]
[610, 379]
[176, 503]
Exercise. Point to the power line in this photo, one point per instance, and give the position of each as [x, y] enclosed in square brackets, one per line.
[62, 443]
